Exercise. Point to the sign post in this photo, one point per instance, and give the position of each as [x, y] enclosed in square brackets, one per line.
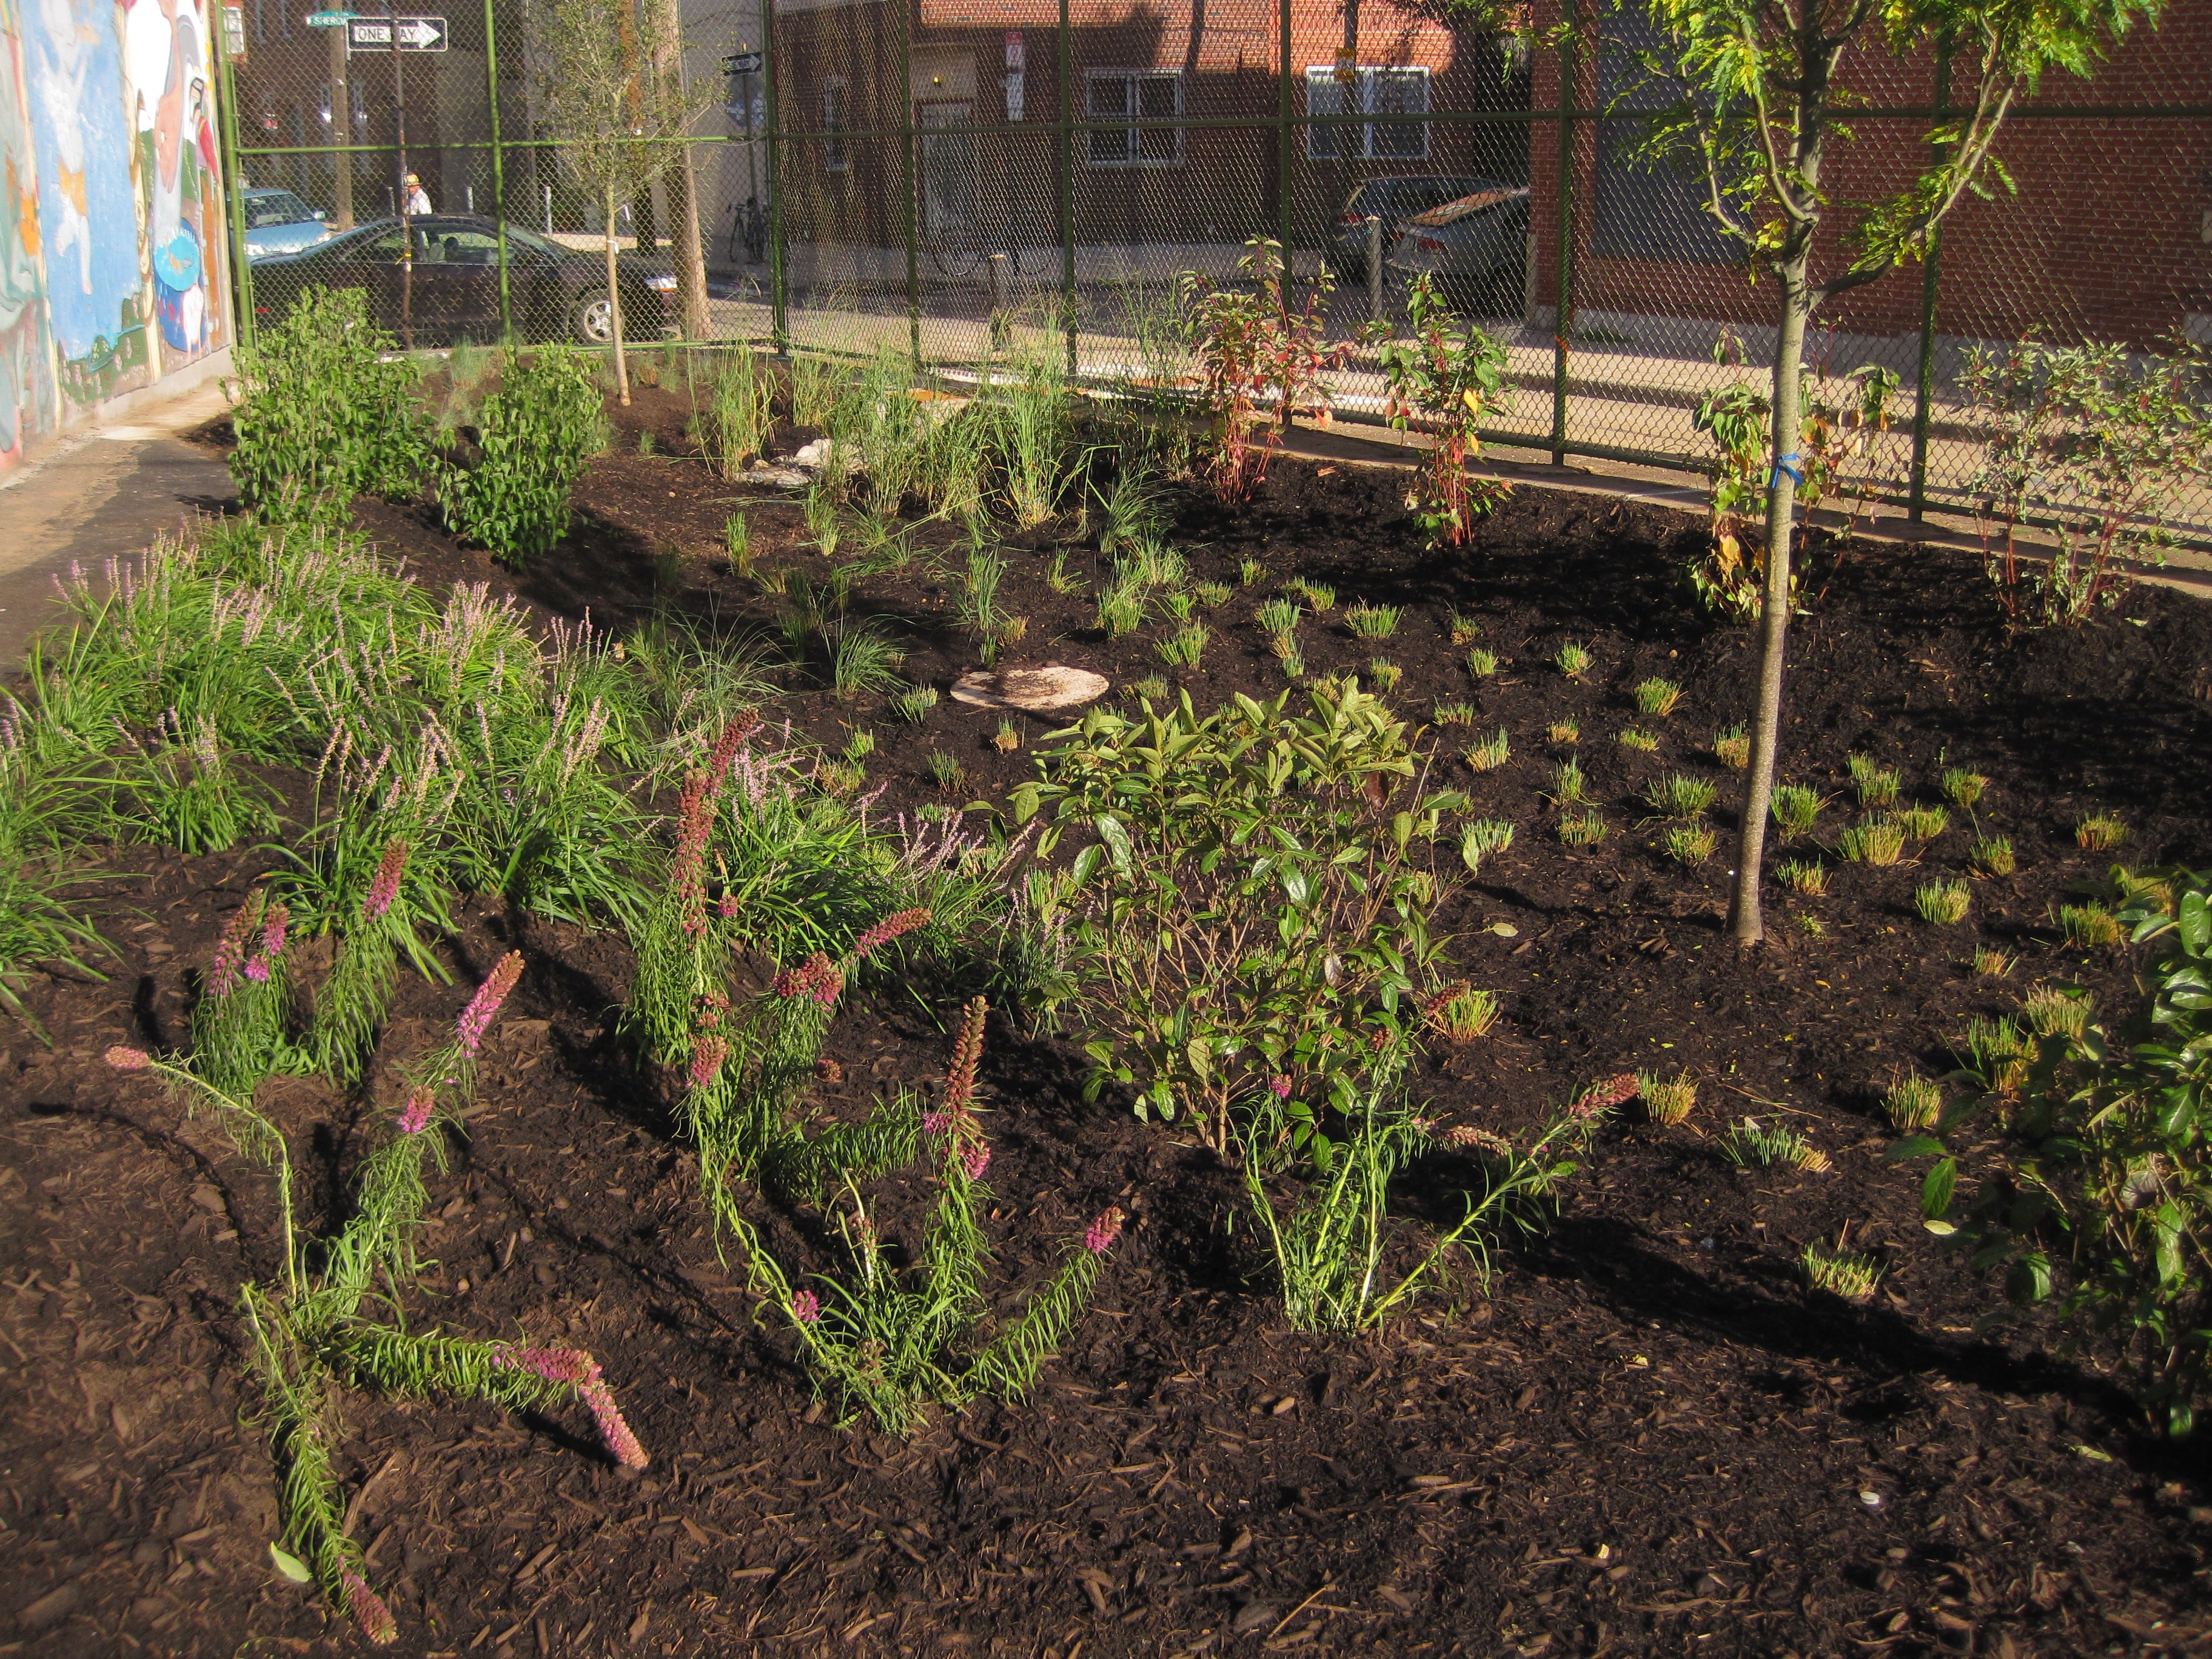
[340, 117]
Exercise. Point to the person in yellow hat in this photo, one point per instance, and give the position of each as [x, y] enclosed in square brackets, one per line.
[418, 200]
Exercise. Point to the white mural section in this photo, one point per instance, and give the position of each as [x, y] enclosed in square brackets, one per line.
[114, 255]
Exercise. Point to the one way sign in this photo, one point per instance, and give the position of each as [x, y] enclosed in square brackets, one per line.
[416, 33]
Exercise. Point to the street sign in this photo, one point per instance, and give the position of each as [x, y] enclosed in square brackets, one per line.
[416, 33]
[328, 20]
[743, 63]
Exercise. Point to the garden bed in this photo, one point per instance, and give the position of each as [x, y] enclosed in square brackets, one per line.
[1645, 1436]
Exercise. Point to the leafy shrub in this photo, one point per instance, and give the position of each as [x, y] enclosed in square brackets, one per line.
[1445, 382]
[1260, 362]
[1269, 858]
[2103, 1198]
[537, 433]
[325, 411]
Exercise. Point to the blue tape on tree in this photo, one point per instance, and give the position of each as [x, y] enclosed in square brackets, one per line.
[1782, 465]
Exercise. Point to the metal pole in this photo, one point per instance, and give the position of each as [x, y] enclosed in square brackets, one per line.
[498, 172]
[1374, 267]
[778, 297]
[406, 223]
[1923, 402]
[1067, 185]
[241, 281]
[912, 193]
[1286, 146]
[1563, 317]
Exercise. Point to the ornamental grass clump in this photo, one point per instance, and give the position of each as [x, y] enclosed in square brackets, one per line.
[1942, 903]
[1582, 828]
[1923, 824]
[1372, 621]
[1636, 740]
[1670, 1100]
[2099, 832]
[1962, 788]
[1879, 785]
[1479, 837]
[1679, 795]
[1491, 753]
[1572, 660]
[1847, 1274]
[1482, 663]
[1807, 875]
[1881, 842]
[338, 1312]
[1732, 748]
[1796, 808]
[1658, 698]
[1993, 855]
[1691, 843]
[1750, 1145]
[1460, 1012]
[242, 1023]
[2089, 926]
[1912, 1103]
[2057, 1011]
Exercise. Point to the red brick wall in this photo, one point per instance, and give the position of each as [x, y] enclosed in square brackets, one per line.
[2103, 236]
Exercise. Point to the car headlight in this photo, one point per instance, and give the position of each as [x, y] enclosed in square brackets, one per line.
[660, 284]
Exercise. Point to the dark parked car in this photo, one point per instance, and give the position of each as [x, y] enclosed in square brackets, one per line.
[556, 292]
[1475, 249]
[1390, 200]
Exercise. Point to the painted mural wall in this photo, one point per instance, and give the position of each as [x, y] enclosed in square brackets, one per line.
[113, 263]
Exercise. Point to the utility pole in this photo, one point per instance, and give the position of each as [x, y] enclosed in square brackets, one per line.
[341, 128]
[406, 225]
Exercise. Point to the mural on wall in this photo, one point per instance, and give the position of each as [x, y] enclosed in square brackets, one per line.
[168, 84]
[96, 292]
[26, 346]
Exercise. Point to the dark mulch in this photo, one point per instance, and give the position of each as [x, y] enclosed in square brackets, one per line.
[1646, 1437]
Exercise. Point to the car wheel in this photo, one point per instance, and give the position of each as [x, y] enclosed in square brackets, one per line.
[593, 321]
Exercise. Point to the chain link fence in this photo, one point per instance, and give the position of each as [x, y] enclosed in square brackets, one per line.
[955, 181]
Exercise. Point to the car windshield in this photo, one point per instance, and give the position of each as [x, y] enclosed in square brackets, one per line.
[276, 207]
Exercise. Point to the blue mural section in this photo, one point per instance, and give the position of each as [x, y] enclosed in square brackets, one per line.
[112, 239]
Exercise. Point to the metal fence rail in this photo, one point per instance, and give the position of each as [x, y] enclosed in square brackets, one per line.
[944, 179]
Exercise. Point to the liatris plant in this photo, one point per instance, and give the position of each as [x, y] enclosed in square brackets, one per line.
[682, 954]
[1461, 1013]
[314, 1330]
[241, 1025]
[890, 1342]
[352, 1000]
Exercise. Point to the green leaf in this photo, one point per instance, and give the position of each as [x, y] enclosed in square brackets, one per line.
[1935, 1191]
[291, 1566]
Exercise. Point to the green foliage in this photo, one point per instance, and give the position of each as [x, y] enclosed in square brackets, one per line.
[1573, 660]
[1878, 785]
[1657, 698]
[1993, 855]
[1569, 787]
[1691, 843]
[1806, 876]
[1942, 903]
[1962, 788]
[2099, 832]
[1183, 648]
[2102, 1194]
[325, 412]
[1582, 829]
[1445, 382]
[1259, 362]
[537, 433]
[738, 415]
[1923, 824]
[1491, 753]
[1679, 795]
[1371, 622]
[1912, 1103]
[1879, 843]
[1275, 859]
[1850, 1275]
[1752, 1145]
[1333, 1243]
[1636, 740]
[914, 703]
[2099, 441]
[1481, 663]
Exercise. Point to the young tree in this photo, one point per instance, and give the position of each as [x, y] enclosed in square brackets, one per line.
[606, 104]
[1759, 87]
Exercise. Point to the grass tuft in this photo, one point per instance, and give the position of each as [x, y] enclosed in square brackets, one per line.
[1942, 903]
[1657, 698]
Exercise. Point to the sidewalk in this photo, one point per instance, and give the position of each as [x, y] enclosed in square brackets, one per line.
[104, 494]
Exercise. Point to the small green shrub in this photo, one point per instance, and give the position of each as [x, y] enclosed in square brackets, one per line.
[2099, 832]
[1679, 795]
[1491, 753]
[539, 432]
[1796, 808]
[1881, 842]
[1691, 843]
[1942, 903]
[1371, 622]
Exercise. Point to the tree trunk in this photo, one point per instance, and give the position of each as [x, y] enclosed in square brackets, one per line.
[614, 300]
[689, 250]
[1745, 926]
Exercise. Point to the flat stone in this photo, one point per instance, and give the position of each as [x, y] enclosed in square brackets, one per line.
[1038, 689]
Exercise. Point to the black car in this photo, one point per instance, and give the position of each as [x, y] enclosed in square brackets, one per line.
[555, 292]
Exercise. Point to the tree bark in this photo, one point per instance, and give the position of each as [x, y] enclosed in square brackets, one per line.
[614, 300]
[686, 247]
[1746, 925]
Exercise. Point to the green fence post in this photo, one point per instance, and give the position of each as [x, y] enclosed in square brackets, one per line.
[911, 194]
[1285, 146]
[241, 279]
[1563, 310]
[1067, 186]
[778, 298]
[498, 173]
[1923, 402]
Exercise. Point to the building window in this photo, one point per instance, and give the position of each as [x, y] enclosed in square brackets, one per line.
[835, 156]
[1115, 96]
[1376, 92]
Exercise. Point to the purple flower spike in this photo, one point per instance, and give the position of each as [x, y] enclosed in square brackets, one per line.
[806, 1307]
[622, 1445]
[977, 1159]
[369, 1610]
[1101, 1233]
[128, 1060]
[386, 887]
[416, 1116]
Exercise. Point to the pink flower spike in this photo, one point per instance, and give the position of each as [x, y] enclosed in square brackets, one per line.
[257, 971]
[386, 887]
[806, 1307]
[554, 1364]
[622, 1445]
[726, 906]
[899, 922]
[276, 922]
[977, 1159]
[706, 1057]
[936, 1122]
[229, 953]
[415, 1117]
[1281, 1084]
[128, 1060]
[1101, 1233]
[484, 1006]
[369, 1610]
[1613, 1092]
